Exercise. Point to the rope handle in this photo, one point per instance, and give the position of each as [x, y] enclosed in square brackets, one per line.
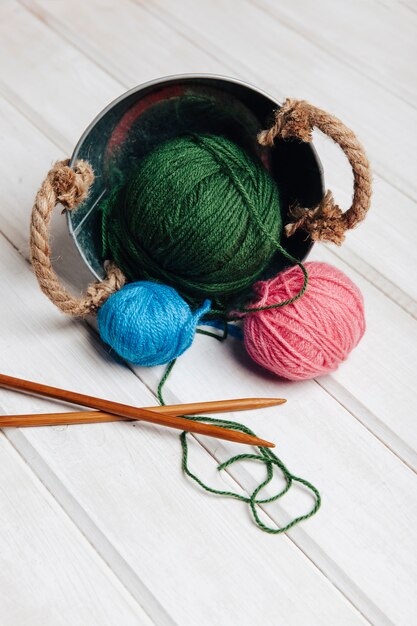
[69, 187]
[295, 119]
[326, 221]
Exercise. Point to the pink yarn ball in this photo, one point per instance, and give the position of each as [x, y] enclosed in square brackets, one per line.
[314, 334]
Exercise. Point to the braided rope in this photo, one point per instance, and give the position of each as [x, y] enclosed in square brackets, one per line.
[69, 187]
[327, 221]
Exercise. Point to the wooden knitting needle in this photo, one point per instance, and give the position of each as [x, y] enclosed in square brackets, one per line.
[124, 410]
[94, 417]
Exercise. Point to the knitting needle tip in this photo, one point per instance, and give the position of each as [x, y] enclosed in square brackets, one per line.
[265, 402]
[265, 444]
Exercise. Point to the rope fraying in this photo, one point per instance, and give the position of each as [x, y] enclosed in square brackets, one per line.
[324, 222]
[71, 186]
[297, 119]
[292, 120]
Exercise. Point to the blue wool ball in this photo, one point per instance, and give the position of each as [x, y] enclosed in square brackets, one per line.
[148, 323]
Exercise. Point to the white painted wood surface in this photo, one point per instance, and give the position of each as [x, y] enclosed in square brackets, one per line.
[98, 524]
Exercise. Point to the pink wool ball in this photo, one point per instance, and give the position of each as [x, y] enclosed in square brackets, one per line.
[314, 334]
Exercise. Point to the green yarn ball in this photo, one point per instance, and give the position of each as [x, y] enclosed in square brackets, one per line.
[199, 214]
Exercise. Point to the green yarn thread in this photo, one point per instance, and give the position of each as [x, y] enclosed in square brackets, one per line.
[198, 214]
[202, 216]
[265, 456]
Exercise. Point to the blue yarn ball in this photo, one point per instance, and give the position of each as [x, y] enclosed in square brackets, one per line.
[148, 323]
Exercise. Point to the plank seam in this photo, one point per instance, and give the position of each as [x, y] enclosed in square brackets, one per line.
[52, 26]
[103, 545]
[98, 541]
[393, 293]
[58, 140]
[32, 122]
[407, 457]
[248, 71]
[339, 57]
[298, 536]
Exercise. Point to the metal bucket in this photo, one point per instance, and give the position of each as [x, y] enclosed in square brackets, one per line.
[139, 120]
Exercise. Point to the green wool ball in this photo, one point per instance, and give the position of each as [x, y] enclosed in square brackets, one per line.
[199, 214]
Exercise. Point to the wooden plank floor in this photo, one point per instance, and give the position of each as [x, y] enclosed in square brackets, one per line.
[98, 524]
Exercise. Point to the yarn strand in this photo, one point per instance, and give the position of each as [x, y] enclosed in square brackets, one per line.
[281, 250]
[314, 335]
[265, 456]
[275, 305]
[198, 214]
[267, 234]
